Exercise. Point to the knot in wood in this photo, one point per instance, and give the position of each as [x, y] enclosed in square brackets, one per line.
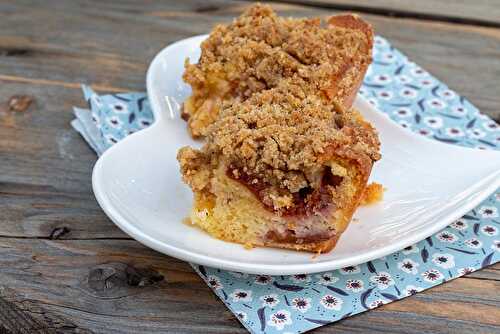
[116, 279]
[59, 232]
[19, 103]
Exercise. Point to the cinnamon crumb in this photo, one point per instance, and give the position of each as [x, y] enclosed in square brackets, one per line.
[259, 50]
[272, 95]
[374, 192]
[282, 135]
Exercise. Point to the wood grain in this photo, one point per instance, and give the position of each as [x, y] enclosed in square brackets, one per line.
[19, 316]
[97, 284]
[46, 169]
[483, 12]
[465, 57]
[88, 282]
[64, 267]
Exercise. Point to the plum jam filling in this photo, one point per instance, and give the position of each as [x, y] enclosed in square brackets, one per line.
[305, 202]
[310, 212]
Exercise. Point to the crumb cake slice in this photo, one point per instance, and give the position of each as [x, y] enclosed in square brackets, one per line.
[259, 49]
[281, 169]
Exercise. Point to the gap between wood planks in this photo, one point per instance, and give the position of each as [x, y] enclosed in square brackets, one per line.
[391, 12]
[74, 85]
[62, 239]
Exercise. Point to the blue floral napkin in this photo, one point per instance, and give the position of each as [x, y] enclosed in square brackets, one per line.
[294, 304]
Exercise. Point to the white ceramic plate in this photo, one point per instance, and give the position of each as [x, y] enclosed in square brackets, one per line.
[138, 184]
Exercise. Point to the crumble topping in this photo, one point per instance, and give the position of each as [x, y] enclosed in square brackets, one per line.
[286, 159]
[373, 193]
[272, 95]
[282, 138]
[259, 49]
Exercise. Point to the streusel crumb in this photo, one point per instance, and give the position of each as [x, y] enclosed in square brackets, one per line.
[373, 193]
[283, 136]
[260, 49]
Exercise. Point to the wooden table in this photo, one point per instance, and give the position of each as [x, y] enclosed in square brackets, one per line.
[64, 267]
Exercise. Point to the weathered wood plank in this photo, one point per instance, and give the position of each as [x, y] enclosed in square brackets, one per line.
[94, 284]
[45, 169]
[89, 47]
[484, 12]
[23, 317]
[489, 273]
[91, 283]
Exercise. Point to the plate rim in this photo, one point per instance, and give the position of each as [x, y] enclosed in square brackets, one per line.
[258, 268]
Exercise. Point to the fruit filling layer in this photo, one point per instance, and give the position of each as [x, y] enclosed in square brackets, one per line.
[305, 202]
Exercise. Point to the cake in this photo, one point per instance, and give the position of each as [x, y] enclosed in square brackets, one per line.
[286, 158]
[281, 169]
[260, 49]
